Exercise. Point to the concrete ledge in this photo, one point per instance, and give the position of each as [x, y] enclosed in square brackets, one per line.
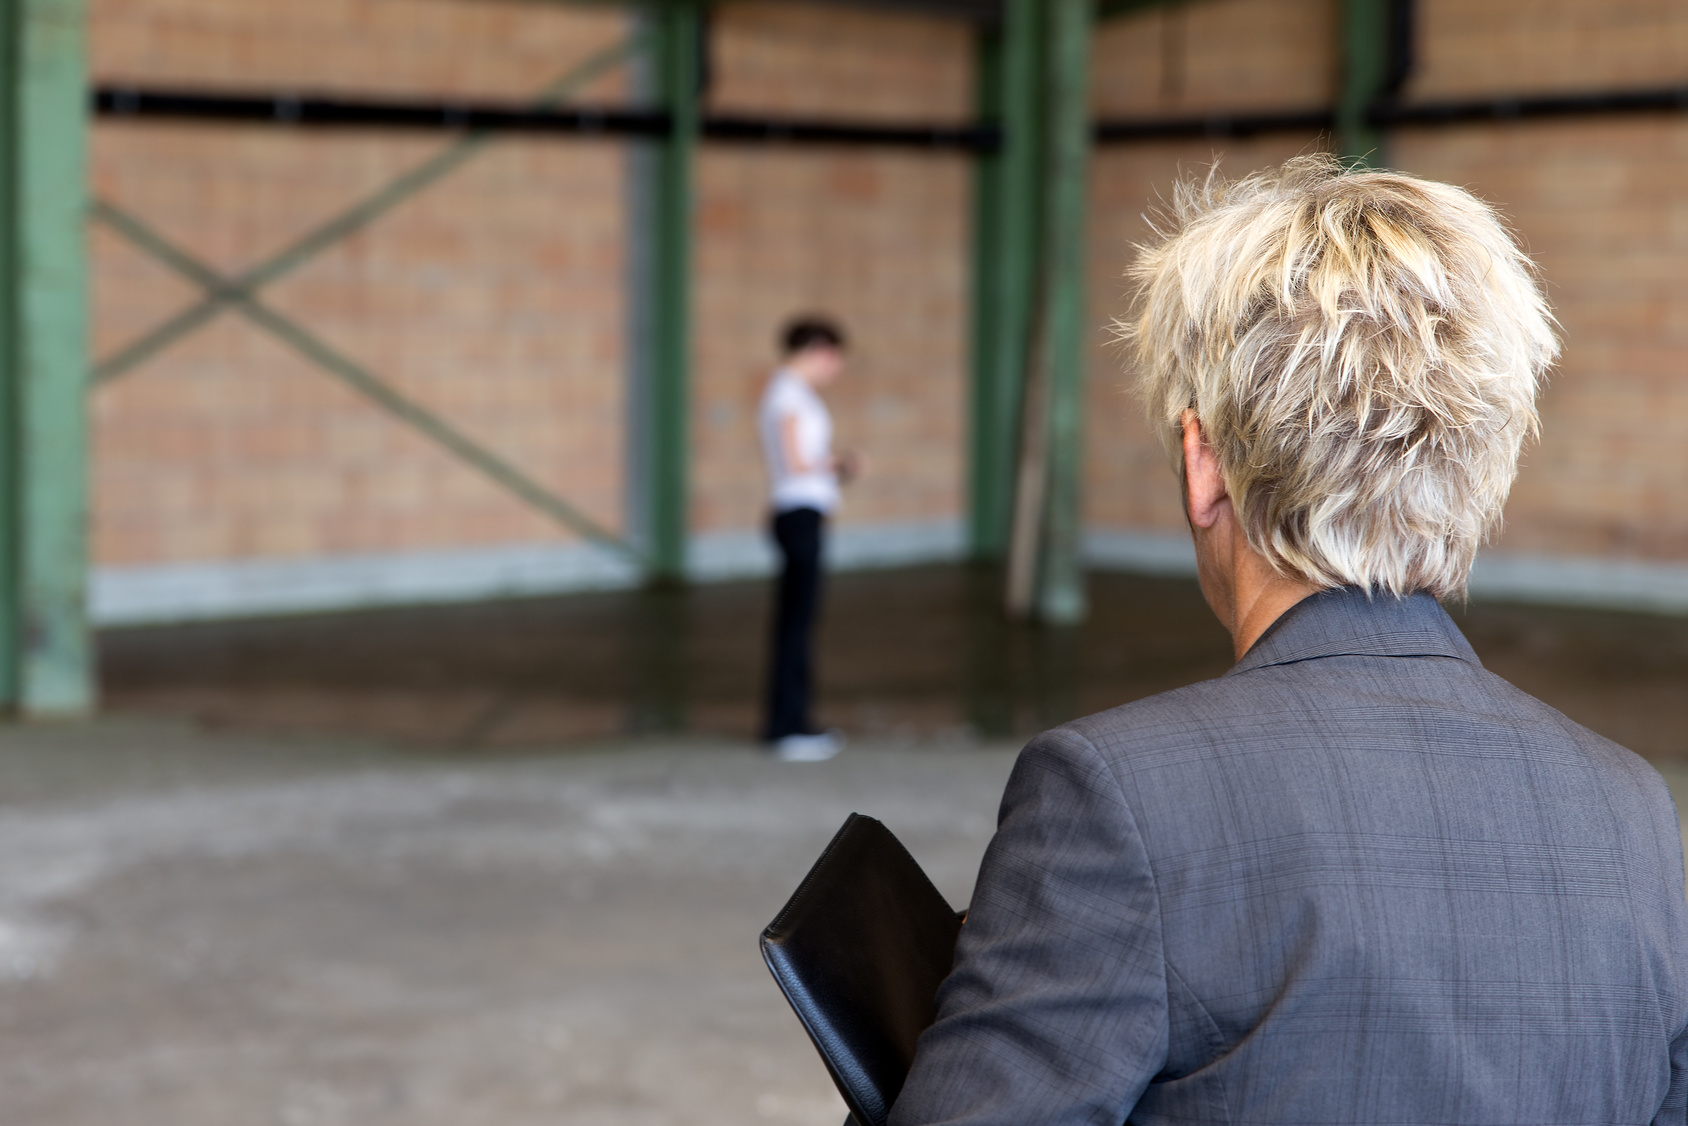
[177, 592]
[1610, 584]
[750, 554]
[259, 587]
[1144, 553]
[180, 592]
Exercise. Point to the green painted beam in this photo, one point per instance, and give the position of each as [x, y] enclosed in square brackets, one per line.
[1366, 29]
[425, 421]
[679, 42]
[1060, 597]
[48, 667]
[1006, 225]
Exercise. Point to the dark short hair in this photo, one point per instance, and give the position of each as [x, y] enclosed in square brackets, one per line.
[810, 332]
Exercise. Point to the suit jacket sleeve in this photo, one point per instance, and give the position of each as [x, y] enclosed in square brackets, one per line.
[1675, 1110]
[1668, 829]
[1056, 1009]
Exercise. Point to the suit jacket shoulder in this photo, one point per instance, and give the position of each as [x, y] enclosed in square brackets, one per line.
[1356, 879]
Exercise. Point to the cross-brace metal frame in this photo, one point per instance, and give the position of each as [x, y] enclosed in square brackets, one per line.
[1028, 304]
[241, 293]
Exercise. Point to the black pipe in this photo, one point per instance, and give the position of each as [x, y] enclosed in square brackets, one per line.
[1403, 46]
[288, 109]
[123, 101]
[977, 138]
[1213, 125]
[1668, 99]
[1661, 100]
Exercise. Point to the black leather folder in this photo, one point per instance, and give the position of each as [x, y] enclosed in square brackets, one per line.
[860, 951]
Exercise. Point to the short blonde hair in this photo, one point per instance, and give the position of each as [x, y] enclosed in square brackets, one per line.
[1363, 350]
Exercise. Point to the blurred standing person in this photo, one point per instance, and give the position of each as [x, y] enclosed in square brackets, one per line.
[804, 478]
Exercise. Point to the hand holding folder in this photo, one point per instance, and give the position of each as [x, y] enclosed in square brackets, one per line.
[860, 951]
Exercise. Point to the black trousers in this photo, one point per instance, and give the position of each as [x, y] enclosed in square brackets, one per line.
[799, 533]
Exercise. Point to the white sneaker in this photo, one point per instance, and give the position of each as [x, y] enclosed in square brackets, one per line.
[808, 748]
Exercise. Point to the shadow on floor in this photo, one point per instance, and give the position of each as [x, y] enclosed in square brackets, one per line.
[921, 652]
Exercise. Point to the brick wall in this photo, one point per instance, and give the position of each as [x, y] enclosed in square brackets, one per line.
[878, 238]
[497, 297]
[1217, 55]
[1597, 202]
[833, 60]
[494, 297]
[1475, 47]
[1128, 482]
[1611, 474]
[418, 48]
[1212, 55]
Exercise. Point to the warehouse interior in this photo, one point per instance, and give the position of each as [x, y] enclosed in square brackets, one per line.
[329, 307]
[383, 571]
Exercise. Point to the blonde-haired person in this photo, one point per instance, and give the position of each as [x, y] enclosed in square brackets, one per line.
[1358, 879]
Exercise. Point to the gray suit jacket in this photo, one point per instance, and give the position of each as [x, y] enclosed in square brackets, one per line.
[1357, 879]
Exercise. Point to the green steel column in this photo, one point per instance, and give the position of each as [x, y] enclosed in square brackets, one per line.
[48, 665]
[10, 633]
[1006, 221]
[983, 439]
[678, 71]
[1365, 74]
[1060, 595]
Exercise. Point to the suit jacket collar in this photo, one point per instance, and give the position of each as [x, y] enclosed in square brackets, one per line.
[1344, 622]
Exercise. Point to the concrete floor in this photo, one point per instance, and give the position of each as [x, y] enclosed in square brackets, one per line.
[213, 929]
[507, 863]
[208, 929]
[913, 653]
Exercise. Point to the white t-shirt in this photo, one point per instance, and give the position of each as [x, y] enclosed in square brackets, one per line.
[790, 397]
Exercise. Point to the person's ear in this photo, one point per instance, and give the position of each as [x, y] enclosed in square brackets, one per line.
[1204, 484]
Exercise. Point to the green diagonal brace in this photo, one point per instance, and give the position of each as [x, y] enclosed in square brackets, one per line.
[366, 383]
[352, 219]
[361, 379]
